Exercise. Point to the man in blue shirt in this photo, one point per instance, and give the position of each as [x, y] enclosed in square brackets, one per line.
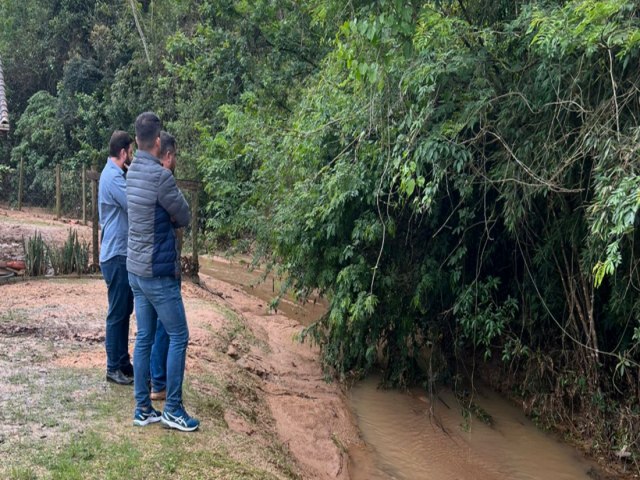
[112, 204]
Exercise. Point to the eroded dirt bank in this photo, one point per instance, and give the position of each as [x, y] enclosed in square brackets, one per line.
[311, 416]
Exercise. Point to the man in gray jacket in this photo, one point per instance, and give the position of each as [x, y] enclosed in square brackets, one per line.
[156, 208]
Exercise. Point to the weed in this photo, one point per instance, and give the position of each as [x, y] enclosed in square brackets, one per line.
[35, 255]
[73, 256]
[19, 473]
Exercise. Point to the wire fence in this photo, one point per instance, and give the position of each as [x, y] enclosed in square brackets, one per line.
[72, 195]
[61, 192]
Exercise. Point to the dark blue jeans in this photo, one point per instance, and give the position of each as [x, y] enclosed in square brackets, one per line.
[120, 298]
[159, 299]
[159, 353]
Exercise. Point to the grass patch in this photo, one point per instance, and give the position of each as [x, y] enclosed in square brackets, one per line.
[25, 221]
[236, 329]
[18, 379]
[13, 316]
[137, 453]
[82, 429]
[68, 423]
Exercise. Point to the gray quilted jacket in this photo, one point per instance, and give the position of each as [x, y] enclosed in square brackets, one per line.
[156, 207]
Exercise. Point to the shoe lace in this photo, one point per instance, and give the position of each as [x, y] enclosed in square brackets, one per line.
[184, 413]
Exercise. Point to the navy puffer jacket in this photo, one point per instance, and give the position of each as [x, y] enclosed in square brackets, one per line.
[156, 207]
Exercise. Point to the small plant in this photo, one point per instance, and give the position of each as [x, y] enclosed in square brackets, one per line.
[73, 256]
[35, 255]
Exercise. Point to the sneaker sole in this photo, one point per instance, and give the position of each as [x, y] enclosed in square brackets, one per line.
[144, 423]
[169, 424]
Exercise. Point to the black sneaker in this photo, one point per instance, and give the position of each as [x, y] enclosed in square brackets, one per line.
[116, 376]
[127, 370]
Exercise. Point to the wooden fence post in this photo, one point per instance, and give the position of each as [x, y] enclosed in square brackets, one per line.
[94, 176]
[193, 186]
[58, 193]
[21, 184]
[194, 231]
[84, 194]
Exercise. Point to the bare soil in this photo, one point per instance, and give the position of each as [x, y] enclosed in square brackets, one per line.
[16, 226]
[244, 369]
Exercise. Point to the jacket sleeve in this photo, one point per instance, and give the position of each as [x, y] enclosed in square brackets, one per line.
[171, 199]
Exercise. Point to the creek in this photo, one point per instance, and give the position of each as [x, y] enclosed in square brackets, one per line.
[412, 435]
[417, 436]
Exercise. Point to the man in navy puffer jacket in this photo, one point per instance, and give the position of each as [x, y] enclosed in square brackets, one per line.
[156, 207]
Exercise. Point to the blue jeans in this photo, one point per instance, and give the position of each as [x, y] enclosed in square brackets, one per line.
[120, 299]
[159, 353]
[159, 299]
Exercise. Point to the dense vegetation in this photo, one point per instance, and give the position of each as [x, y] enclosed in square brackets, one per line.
[459, 178]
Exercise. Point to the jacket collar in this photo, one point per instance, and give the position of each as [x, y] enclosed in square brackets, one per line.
[146, 155]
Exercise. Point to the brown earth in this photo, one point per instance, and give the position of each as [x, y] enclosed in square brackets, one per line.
[276, 384]
[15, 226]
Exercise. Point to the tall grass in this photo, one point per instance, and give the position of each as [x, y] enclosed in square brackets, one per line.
[35, 255]
[72, 256]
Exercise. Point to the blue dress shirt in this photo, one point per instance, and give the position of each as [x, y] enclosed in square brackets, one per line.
[112, 205]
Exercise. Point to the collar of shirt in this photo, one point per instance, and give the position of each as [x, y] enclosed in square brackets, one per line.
[111, 163]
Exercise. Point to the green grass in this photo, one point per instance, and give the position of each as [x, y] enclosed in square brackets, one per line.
[25, 221]
[14, 316]
[68, 423]
[18, 379]
[83, 430]
[146, 452]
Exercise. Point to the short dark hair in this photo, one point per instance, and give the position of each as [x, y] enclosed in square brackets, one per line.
[119, 140]
[167, 143]
[148, 127]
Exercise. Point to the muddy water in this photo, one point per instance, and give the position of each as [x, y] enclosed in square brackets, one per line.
[411, 436]
[236, 272]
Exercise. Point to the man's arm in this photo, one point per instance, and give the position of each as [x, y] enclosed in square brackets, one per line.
[171, 199]
[119, 192]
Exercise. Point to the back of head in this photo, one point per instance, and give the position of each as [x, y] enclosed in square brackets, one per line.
[119, 140]
[148, 127]
[167, 143]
